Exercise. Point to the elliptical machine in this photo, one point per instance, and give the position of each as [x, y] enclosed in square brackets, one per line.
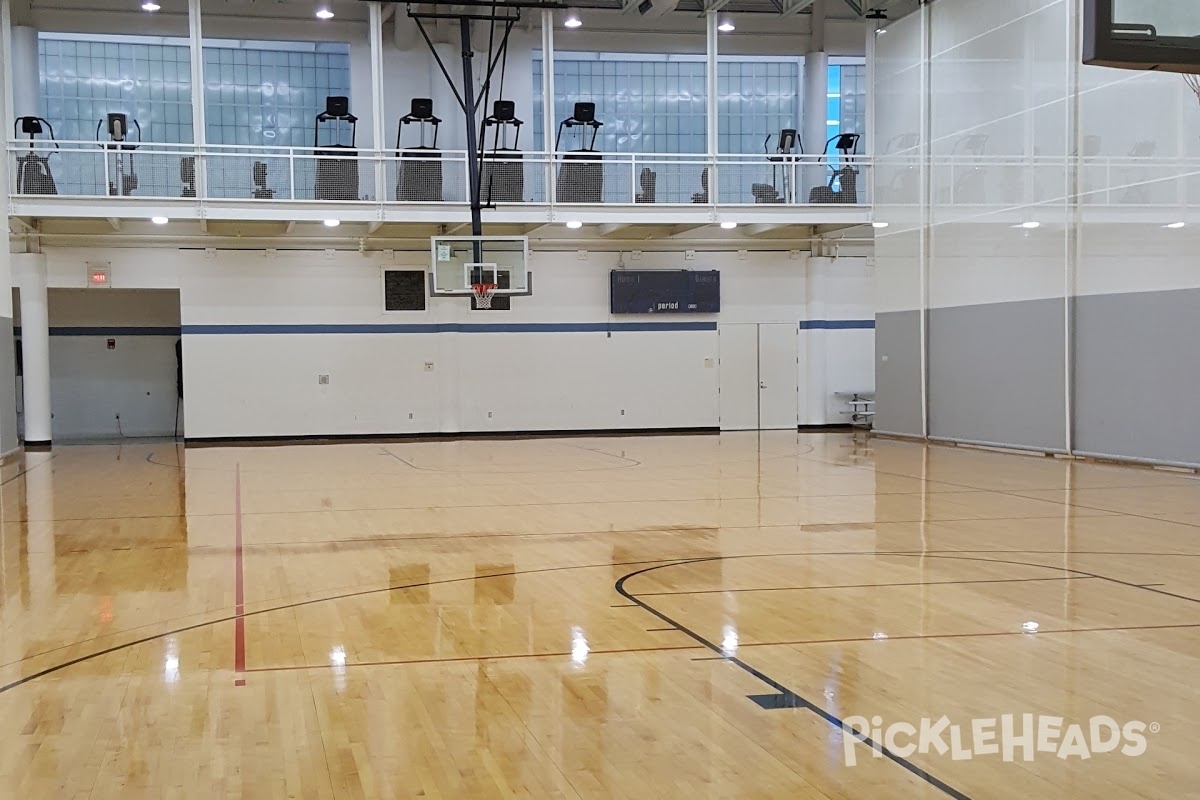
[844, 175]
[33, 170]
[784, 153]
[123, 179]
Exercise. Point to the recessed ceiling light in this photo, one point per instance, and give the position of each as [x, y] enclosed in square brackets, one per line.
[159, 220]
[573, 224]
[1031, 225]
[1177, 225]
[572, 19]
[726, 25]
[324, 13]
[150, 5]
[879, 224]
[332, 223]
[728, 225]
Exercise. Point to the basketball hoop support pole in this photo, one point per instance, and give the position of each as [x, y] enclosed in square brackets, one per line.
[467, 99]
[464, 26]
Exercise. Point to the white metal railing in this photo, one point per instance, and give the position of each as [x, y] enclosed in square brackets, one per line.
[1019, 181]
[155, 171]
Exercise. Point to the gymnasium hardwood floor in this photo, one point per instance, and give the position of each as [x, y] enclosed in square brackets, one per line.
[660, 617]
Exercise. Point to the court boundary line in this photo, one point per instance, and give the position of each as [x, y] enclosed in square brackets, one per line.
[307, 600]
[795, 700]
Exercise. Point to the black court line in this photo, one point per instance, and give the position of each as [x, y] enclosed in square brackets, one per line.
[361, 593]
[869, 586]
[785, 698]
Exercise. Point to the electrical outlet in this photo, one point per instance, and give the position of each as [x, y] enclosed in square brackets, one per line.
[582, 255]
[429, 366]
[689, 255]
[636, 255]
[489, 415]
[323, 380]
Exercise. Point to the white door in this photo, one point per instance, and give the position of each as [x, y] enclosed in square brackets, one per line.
[739, 377]
[778, 389]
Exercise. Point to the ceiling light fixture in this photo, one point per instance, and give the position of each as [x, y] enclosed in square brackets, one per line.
[159, 220]
[879, 224]
[332, 223]
[574, 224]
[150, 5]
[324, 13]
[1176, 225]
[726, 25]
[572, 20]
[729, 225]
[1031, 225]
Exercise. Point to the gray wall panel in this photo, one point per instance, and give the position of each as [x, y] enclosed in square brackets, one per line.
[996, 373]
[898, 372]
[8, 388]
[1137, 373]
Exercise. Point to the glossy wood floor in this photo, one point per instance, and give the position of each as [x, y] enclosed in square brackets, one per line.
[667, 617]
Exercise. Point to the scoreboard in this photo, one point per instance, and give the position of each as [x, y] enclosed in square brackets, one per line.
[664, 291]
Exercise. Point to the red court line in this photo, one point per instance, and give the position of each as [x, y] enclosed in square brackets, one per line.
[239, 589]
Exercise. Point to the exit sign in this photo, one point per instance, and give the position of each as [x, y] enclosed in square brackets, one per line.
[97, 276]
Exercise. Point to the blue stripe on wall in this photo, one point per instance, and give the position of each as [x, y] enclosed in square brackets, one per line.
[109, 331]
[435, 327]
[836, 324]
[453, 327]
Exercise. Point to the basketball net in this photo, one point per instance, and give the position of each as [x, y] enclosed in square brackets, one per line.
[483, 294]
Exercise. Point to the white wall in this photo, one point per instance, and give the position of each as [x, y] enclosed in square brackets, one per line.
[90, 384]
[244, 382]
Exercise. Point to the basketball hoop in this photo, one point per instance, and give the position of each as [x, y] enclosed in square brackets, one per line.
[483, 294]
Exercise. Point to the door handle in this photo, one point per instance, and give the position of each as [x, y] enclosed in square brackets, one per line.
[762, 385]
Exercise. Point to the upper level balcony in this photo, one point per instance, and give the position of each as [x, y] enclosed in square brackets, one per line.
[222, 182]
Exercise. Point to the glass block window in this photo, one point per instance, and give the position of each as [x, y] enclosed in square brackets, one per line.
[83, 79]
[657, 104]
[756, 99]
[267, 97]
[651, 106]
[847, 102]
[255, 94]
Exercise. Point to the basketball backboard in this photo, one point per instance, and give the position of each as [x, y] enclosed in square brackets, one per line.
[1142, 34]
[459, 261]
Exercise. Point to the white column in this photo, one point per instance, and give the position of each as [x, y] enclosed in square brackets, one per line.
[816, 102]
[35, 351]
[548, 123]
[815, 391]
[26, 76]
[199, 130]
[710, 85]
[377, 97]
